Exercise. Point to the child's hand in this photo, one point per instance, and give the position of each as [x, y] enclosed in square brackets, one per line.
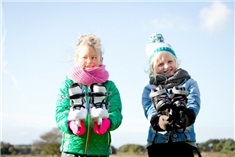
[101, 129]
[165, 123]
[161, 122]
[77, 130]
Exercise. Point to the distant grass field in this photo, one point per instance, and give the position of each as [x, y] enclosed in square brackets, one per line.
[204, 154]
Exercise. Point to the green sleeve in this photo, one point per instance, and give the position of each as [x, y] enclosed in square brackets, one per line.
[115, 105]
[62, 106]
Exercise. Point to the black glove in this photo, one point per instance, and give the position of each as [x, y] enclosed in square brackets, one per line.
[161, 123]
[183, 119]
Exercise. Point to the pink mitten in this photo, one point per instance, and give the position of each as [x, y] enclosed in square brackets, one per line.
[77, 130]
[101, 129]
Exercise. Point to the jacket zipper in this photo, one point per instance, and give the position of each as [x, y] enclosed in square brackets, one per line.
[89, 118]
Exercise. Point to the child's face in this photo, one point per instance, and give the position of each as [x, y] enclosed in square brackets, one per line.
[88, 57]
[165, 63]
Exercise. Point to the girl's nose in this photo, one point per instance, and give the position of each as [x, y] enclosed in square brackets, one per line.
[166, 66]
[90, 62]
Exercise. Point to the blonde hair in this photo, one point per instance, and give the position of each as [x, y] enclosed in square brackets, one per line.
[90, 41]
[153, 62]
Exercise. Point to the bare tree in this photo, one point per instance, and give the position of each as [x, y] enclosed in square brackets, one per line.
[49, 143]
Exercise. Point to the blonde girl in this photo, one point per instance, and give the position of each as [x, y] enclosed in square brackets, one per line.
[89, 105]
[171, 103]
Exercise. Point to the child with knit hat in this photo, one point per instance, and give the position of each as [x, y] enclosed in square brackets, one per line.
[89, 105]
[171, 103]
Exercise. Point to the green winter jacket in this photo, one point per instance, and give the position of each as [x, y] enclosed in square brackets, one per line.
[89, 143]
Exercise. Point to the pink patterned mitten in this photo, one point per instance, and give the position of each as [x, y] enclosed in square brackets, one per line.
[101, 129]
[77, 130]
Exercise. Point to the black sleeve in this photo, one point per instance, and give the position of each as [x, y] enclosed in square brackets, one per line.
[191, 115]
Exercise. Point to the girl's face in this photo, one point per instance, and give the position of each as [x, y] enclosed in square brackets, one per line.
[165, 63]
[88, 57]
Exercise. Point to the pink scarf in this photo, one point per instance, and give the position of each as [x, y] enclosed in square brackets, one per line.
[89, 75]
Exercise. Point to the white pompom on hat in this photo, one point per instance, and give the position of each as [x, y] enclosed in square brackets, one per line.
[156, 44]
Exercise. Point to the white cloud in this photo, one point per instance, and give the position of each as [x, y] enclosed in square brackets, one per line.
[170, 22]
[215, 17]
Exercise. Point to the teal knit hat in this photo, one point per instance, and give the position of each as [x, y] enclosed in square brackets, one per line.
[156, 44]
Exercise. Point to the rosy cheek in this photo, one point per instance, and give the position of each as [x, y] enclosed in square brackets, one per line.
[94, 64]
[159, 69]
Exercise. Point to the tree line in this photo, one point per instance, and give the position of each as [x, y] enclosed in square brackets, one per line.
[49, 144]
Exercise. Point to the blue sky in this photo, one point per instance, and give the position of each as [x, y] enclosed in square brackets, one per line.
[37, 46]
